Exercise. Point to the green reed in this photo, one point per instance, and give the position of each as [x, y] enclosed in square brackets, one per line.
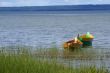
[25, 62]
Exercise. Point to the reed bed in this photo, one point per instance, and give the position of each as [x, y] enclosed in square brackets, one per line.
[26, 62]
[77, 54]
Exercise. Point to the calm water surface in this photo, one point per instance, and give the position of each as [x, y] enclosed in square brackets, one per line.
[43, 30]
[47, 30]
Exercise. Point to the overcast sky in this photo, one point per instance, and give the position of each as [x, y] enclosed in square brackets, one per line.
[49, 2]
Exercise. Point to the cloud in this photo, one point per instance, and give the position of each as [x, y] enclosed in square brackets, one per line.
[4, 4]
[70, 2]
[25, 3]
[32, 2]
[49, 2]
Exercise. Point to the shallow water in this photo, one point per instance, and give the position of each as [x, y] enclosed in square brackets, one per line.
[79, 57]
[43, 30]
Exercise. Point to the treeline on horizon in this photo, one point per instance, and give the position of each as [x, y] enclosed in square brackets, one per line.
[58, 8]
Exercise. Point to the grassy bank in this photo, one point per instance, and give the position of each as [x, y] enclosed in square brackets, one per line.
[24, 63]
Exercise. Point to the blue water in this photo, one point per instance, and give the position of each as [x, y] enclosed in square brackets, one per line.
[46, 30]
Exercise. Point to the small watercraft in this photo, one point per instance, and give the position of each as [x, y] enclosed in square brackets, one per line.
[86, 39]
[73, 44]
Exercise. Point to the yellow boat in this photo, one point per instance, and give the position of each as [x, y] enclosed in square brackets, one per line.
[73, 44]
[80, 41]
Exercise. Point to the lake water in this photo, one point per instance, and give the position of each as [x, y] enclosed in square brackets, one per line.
[45, 30]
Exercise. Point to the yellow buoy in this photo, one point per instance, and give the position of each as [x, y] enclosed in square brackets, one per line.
[87, 37]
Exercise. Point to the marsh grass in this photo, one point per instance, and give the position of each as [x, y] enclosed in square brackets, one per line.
[54, 53]
[47, 53]
[76, 54]
[80, 54]
[26, 62]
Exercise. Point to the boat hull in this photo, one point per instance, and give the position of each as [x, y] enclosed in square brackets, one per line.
[72, 45]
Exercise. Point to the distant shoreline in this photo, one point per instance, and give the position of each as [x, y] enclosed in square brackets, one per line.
[105, 7]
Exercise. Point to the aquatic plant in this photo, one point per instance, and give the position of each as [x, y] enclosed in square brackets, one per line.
[26, 64]
[23, 62]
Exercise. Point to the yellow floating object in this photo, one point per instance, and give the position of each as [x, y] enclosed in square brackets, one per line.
[72, 44]
[85, 38]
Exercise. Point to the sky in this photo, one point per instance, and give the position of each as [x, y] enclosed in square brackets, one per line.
[7, 3]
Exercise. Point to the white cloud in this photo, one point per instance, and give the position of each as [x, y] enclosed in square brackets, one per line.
[25, 3]
[49, 2]
[34, 2]
[4, 4]
[70, 2]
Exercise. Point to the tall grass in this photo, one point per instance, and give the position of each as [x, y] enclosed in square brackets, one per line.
[77, 54]
[26, 63]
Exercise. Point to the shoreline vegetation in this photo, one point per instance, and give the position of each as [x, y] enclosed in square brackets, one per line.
[23, 60]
